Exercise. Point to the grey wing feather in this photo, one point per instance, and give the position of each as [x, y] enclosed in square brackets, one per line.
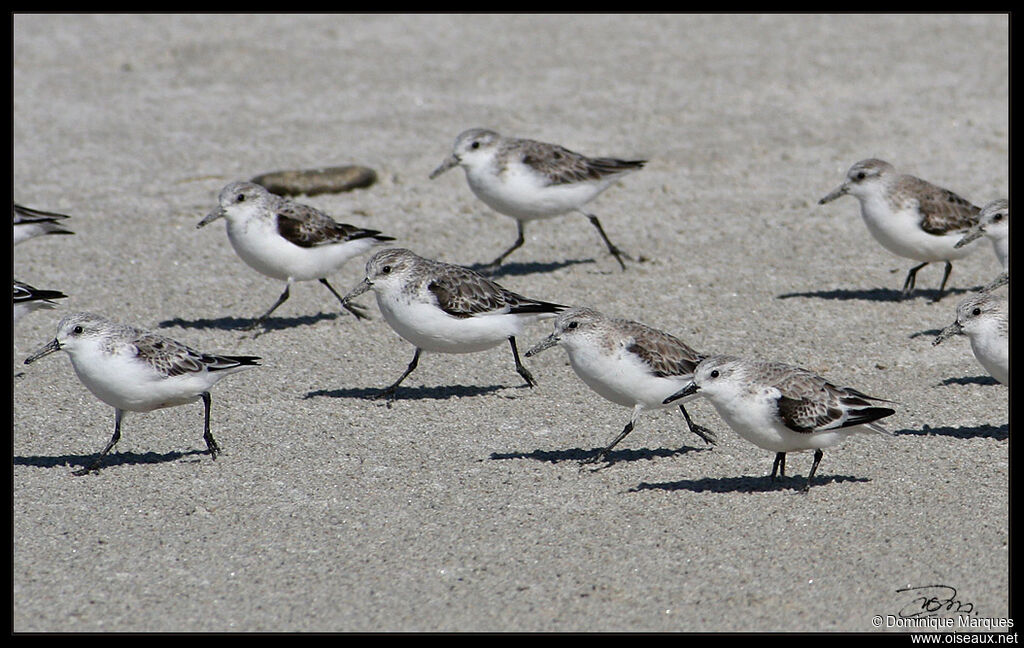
[809, 403]
[664, 353]
[307, 226]
[172, 358]
[563, 166]
[942, 211]
[805, 415]
[463, 293]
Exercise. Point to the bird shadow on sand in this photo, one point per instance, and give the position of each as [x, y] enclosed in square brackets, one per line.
[112, 459]
[1000, 433]
[579, 455]
[926, 333]
[874, 294]
[970, 380]
[243, 324]
[446, 392]
[515, 269]
[745, 484]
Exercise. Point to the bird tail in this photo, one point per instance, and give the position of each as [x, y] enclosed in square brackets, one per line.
[223, 362]
[37, 213]
[537, 306]
[609, 166]
[370, 233]
[863, 413]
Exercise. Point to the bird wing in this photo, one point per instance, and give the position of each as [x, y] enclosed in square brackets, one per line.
[562, 166]
[460, 292]
[665, 354]
[172, 358]
[942, 211]
[808, 403]
[307, 226]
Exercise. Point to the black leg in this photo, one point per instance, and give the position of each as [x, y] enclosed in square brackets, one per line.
[604, 453]
[911, 280]
[280, 300]
[616, 252]
[110, 444]
[515, 246]
[388, 392]
[520, 369]
[945, 277]
[814, 467]
[779, 465]
[355, 309]
[211, 444]
[699, 430]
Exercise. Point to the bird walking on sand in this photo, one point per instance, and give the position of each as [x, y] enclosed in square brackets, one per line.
[444, 308]
[783, 408]
[626, 362]
[133, 370]
[530, 180]
[910, 217]
[287, 240]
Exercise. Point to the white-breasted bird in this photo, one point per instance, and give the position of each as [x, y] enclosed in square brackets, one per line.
[530, 180]
[133, 370]
[445, 308]
[626, 362]
[288, 240]
[984, 318]
[783, 408]
[910, 217]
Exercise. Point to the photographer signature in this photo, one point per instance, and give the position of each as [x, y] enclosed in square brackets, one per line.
[933, 600]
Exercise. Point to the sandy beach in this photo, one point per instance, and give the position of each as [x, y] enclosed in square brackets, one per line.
[463, 505]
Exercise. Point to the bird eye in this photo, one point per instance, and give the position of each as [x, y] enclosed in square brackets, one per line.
[572, 325]
[240, 198]
[474, 145]
[714, 373]
[386, 270]
[77, 330]
[976, 311]
[860, 175]
[997, 218]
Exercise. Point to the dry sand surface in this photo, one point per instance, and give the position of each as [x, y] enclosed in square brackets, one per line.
[463, 506]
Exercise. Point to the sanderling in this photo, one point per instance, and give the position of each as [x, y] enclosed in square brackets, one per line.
[909, 217]
[446, 308]
[983, 317]
[288, 240]
[28, 298]
[30, 223]
[530, 180]
[994, 224]
[137, 371]
[626, 362]
[783, 408]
